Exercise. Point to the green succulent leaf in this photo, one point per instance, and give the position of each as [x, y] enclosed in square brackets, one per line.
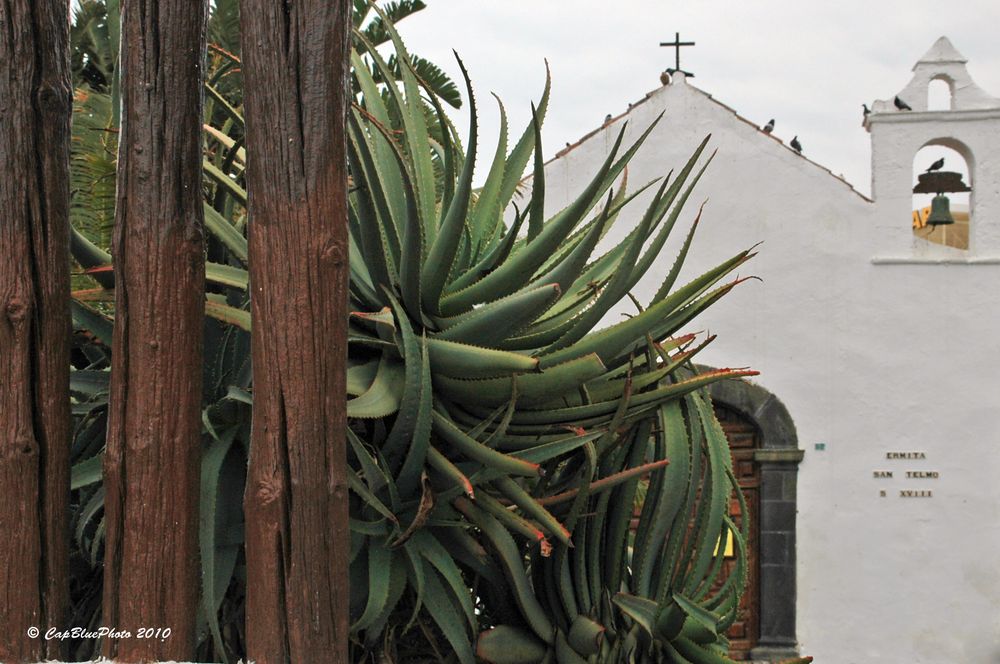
[504, 644]
[446, 242]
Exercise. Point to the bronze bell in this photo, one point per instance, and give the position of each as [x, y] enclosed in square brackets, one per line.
[940, 212]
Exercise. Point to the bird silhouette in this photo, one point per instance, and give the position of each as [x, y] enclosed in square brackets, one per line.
[866, 110]
[607, 118]
[901, 105]
[769, 127]
[796, 145]
[936, 166]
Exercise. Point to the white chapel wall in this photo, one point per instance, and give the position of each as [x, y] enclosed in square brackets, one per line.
[869, 358]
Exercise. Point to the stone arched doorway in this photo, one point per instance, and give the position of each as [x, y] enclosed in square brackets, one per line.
[766, 457]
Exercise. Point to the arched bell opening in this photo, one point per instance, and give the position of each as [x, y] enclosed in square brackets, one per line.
[942, 193]
[940, 94]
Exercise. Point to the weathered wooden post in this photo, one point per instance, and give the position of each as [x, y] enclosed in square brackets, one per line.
[35, 107]
[295, 70]
[151, 575]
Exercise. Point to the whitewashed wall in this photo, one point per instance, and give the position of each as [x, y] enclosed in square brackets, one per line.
[869, 355]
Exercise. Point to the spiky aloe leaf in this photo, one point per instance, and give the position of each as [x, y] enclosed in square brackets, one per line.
[565, 654]
[537, 207]
[375, 221]
[606, 483]
[497, 255]
[446, 611]
[414, 124]
[608, 342]
[586, 635]
[89, 319]
[449, 471]
[504, 644]
[717, 491]
[379, 560]
[485, 216]
[513, 522]
[517, 495]
[226, 233]
[662, 500]
[658, 396]
[217, 559]
[445, 243]
[377, 113]
[526, 145]
[228, 314]
[384, 395]
[473, 449]
[617, 286]
[546, 450]
[511, 275]
[490, 324]
[412, 428]
[87, 472]
[492, 392]
[643, 611]
[511, 563]
[460, 360]
[568, 269]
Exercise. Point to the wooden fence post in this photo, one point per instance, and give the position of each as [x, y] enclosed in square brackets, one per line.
[152, 461]
[35, 107]
[295, 70]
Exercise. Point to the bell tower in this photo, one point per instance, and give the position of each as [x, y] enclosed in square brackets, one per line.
[969, 125]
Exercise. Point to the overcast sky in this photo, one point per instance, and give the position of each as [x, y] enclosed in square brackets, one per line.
[810, 65]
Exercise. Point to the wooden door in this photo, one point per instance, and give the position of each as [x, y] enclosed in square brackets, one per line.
[743, 440]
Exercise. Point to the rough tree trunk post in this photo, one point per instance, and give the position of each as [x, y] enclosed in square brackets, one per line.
[295, 70]
[35, 108]
[152, 462]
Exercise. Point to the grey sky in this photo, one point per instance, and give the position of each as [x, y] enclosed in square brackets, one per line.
[810, 65]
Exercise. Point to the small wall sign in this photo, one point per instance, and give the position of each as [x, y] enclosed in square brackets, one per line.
[882, 474]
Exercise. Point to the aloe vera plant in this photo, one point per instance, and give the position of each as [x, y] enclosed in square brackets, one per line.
[497, 438]
[497, 426]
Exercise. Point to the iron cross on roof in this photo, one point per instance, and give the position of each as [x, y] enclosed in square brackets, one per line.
[677, 43]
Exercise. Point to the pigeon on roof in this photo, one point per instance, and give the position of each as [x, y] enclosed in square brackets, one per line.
[937, 165]
[607, 118]
[867, 111]
[901, 105]
[769, 127]
[796, 145]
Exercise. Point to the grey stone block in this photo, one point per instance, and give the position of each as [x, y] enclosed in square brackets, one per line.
[777, 515]
[777, 615]
[776, 549]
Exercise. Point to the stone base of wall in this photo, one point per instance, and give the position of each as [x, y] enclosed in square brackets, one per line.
[773, 654]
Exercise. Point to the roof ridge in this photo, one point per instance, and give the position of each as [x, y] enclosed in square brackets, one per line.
[632, 106]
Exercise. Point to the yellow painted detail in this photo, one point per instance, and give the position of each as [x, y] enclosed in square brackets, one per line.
[730, 551]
